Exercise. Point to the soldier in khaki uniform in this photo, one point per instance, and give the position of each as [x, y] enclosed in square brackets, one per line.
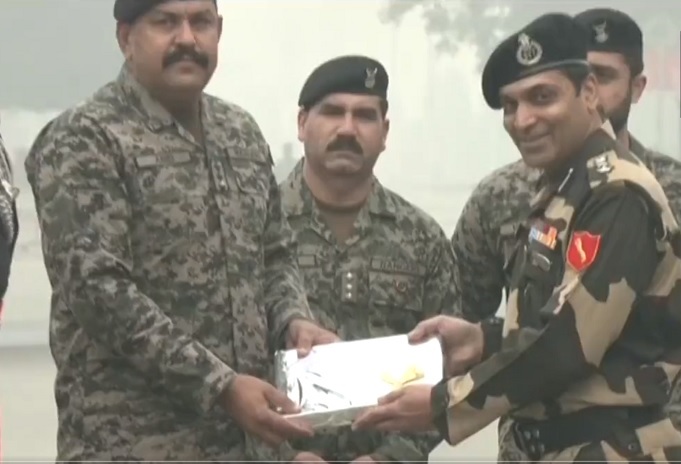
[487, 225]
[373, 263]
[173, 269]
[584, 360]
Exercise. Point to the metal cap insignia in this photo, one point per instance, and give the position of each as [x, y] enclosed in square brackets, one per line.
[529, 51]
[602, 164]
[601, 34]
[370, 80]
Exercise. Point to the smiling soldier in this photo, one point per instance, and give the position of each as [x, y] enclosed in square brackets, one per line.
[585, 358]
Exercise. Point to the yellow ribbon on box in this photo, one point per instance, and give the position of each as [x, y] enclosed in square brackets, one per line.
[411, 374]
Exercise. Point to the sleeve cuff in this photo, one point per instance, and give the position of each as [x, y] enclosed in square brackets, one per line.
[287, 453]
[216, 383]
[278, 334]
[379, 456]
[492, 329]
[439, 403]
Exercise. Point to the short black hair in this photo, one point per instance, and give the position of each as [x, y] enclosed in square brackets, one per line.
[634, 61]
[577, 75]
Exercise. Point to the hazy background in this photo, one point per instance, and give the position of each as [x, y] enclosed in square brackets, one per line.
[54, 54]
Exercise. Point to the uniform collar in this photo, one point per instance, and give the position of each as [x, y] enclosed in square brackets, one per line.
[155, 116]
[298, 200]
[598, 142]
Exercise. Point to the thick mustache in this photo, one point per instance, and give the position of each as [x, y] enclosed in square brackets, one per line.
[346, 144]
[183, 54]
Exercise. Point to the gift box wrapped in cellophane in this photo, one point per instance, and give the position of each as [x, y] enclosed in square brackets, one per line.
[335, 382]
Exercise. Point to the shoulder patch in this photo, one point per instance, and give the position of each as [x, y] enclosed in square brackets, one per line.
[582, 250]
[600, 168]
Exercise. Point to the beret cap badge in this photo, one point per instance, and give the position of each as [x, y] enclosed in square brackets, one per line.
[370, 80]
[529, 51]
[600, 34]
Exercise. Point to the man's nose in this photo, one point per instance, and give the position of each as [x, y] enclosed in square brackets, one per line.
[525, 117]
[185, 34]
[348, 125]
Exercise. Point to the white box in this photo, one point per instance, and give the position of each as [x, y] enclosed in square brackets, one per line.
[335, 382]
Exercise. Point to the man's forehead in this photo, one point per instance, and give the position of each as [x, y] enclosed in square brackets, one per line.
[552, 78]
[606, 59]
[350, 100]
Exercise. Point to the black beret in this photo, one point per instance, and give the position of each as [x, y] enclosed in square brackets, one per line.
[611, 31]
[345, 74]
[552, 41]
[127, 11]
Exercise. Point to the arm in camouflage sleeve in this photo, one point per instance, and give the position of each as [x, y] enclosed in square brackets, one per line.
[667, 171]
[285, 298]
[439, 295]
[84, 217]
[9, 226]
[478, 272]
[492, 333]
[589, 311]
[438, 298]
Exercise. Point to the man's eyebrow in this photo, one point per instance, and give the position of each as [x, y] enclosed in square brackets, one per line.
[332, 106]
[603, 68]
[530, 90]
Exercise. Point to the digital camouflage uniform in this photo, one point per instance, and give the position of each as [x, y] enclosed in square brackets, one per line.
[172, 268]
[395, 271]
[577, 340]
[9, 225]
[484, 237]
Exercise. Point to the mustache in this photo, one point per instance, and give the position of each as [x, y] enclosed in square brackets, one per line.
[181, 54]
[346, 144]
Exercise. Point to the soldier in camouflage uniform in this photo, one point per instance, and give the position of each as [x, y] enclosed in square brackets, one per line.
[486, 228]
[373, 263]
[585, 358]
[9, 226]
[173, 269]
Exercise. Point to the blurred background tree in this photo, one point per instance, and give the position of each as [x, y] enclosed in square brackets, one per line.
[482, 23]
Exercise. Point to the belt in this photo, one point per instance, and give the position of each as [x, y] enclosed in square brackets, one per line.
[591, 425]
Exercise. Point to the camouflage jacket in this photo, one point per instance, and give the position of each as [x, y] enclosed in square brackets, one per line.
[172, 267]
[593, 271]
[484, 234]
[9, 225]
[484, 237]
[394, 272]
